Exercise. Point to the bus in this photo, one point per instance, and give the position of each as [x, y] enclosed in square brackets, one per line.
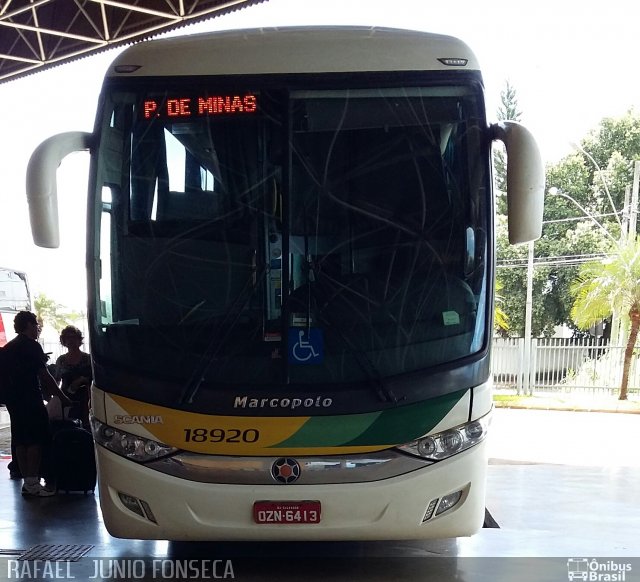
[290, 283]
[14, 297]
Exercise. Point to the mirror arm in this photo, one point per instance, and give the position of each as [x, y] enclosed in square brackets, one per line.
[42, 194]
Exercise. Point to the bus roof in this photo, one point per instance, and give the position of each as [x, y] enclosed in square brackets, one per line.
[317, 49]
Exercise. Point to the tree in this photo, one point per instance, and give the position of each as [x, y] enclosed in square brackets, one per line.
[600, 169]
[609, 286]
[48, 311]
[550, 278]
[508, 111]
[500, 318]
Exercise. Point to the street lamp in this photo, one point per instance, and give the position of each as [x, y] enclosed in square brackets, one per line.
[528, 319]
[553, 191]
[604, 182]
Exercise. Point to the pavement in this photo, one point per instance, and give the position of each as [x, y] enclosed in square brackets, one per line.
[5, 442]
[563, 496]
[575, 401]
[5, 432]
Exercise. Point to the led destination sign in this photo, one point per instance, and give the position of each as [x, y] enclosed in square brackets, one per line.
[181, 107]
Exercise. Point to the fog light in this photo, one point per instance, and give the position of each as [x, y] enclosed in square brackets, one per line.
[448, 501]
[131, 503]
[138, 506]
[148, 511]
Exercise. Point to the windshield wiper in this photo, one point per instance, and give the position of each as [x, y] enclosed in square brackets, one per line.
[382, 390]
[219, 336]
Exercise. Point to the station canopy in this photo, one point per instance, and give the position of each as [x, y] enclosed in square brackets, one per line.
[39, 34]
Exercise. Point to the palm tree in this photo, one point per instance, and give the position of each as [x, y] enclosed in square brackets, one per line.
[500, 318]
[48, 311]
[612, 285]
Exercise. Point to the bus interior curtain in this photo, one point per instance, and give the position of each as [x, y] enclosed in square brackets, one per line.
[148, 169]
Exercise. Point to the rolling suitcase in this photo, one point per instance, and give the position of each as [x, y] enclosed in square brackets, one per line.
[74, 463]
[47, 464]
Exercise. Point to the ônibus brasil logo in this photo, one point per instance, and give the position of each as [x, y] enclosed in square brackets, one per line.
[597, 570]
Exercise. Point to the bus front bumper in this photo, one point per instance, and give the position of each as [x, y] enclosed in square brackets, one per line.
[140, 503]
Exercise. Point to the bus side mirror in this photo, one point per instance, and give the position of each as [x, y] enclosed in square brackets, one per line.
[525, 181]
[42, 191]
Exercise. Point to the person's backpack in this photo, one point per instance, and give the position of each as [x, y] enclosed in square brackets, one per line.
[4, 376]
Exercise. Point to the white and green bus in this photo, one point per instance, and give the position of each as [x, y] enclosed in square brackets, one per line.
[290, 278]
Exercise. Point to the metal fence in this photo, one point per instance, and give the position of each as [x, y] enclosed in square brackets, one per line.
[561, 365]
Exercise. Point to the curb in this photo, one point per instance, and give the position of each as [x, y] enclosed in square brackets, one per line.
[566, 409]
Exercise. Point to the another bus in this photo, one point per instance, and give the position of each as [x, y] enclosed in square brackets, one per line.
[290, 273]
[14, 297]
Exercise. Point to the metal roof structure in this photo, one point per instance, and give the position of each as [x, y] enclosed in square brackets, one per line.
[39, 34]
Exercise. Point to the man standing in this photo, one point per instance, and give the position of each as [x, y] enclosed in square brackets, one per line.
[28, 377]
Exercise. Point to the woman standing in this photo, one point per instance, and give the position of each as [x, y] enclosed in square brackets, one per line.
[73, 369]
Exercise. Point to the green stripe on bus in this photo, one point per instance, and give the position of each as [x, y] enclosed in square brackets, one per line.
[407, 423]
[389, 427]
[330, 431]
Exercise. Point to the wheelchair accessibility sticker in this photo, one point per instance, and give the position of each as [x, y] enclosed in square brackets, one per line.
[306, 345]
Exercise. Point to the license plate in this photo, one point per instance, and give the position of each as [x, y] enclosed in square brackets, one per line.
[286, 512]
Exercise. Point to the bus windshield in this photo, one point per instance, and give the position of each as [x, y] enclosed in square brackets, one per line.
[290, 231]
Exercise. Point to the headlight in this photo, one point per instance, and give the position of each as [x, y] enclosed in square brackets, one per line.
[129, 445]
[447, 443]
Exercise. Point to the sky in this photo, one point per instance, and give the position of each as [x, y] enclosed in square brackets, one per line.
[571, 62]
